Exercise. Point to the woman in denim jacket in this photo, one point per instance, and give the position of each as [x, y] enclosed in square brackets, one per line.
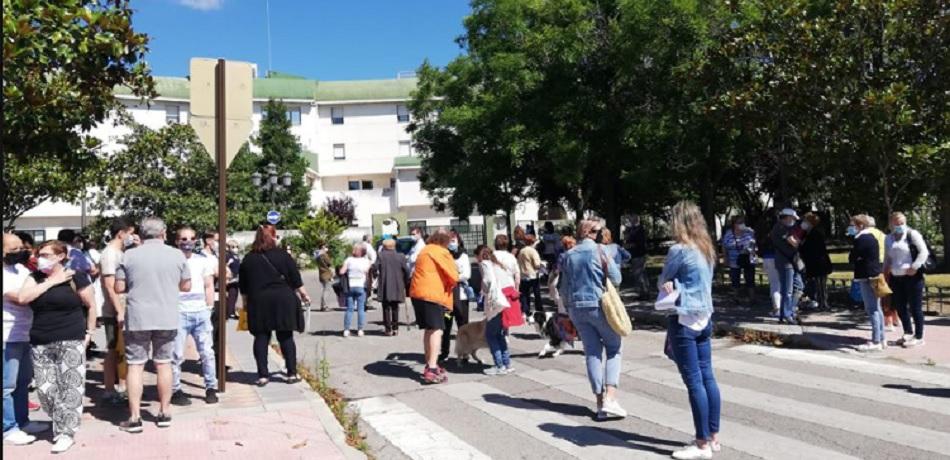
[689, 270]
[582, 284]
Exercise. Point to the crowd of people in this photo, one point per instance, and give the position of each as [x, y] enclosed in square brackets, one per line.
[150, 293]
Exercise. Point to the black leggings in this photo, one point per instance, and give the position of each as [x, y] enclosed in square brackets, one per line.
[460, 317]
[287, 347]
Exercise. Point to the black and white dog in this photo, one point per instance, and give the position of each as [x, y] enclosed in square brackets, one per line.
[545, 323]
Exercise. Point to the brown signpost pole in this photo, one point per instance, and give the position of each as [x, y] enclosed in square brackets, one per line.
[222, 164]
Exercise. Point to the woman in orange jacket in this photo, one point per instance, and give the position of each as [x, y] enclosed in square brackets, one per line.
[433, 280]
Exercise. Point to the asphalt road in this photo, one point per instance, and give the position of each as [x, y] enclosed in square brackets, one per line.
[777, 403]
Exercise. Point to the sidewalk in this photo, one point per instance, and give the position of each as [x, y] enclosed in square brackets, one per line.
[840, 329]
[279, 421]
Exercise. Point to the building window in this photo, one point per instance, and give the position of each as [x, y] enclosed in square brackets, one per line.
[360, 185]
[336, 114]
[354, 185]
[402, 114]
[405, 148]
[293, 115]
[172, 114]
[367, 185]
[339, 152]
[417, 223]
[39, 236]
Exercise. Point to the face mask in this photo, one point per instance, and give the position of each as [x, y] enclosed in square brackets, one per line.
[454, 247]
[415, 237]
[129, 240]
[741, 227]
[806, 226]
[45, 265]
[788, 223]
[900, 229]
[852, 231]
[19, 257]
[186, 246]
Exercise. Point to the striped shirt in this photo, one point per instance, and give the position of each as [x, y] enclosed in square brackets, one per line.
[733, 244]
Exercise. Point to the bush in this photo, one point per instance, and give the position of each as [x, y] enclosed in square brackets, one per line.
[323, 228]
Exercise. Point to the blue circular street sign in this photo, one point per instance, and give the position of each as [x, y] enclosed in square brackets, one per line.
[273, 217]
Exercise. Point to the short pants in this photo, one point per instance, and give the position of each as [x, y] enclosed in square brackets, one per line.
[162, 344]
[429, 315]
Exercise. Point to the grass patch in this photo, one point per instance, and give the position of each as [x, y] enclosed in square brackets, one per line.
[348, 418]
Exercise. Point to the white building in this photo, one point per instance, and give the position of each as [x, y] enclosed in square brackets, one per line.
[352, 132]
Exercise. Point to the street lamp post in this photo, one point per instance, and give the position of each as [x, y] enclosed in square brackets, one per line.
[272, 183]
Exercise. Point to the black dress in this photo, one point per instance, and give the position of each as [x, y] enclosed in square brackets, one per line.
[272, 302]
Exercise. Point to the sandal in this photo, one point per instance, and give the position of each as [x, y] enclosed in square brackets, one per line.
[262, 382]
[293, 379]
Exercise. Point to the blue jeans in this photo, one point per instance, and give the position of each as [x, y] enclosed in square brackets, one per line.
[692, 351]
[198, 325]
[872, 305]
[17, 373]
[789, 281]
[597, 336]
[356, 298]
[495, 336]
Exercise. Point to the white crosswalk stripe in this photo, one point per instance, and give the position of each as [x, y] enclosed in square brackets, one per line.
[858, 365]
[855, 389]
[744, 438]
[911, 436]
[412, 433]
[550, 428]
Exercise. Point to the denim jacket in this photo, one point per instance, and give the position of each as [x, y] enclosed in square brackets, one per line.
[582, 275]
[692, 275]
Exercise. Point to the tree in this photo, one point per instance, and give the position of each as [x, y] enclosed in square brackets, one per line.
[167, 173]
[61, 64]
[342, 208]
[279, 146]
[323, 228]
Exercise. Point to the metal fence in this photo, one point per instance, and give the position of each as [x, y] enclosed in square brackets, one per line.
[936, 298]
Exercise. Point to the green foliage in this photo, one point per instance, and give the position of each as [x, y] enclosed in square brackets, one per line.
[280, 147]
[323, 228]
[61, 62]
[167, 173]
[625, 106]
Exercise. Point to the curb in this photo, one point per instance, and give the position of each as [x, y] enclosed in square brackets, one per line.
[329, 422]
[797, 339]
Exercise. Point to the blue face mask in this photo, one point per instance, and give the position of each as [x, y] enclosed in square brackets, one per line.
[900, 229]
[453, 247]
[852, 230]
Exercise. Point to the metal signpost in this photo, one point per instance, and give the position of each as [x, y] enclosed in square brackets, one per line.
[221, 116]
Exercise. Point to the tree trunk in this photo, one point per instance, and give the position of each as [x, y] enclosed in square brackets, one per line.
[707, 206]
[945, 224]
[612, 211]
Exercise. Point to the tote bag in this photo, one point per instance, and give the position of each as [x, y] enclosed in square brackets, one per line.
[612, 305]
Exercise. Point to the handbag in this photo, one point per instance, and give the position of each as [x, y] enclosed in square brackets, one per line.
[511, 316]
[242, 320]
[930, 264]
[612, 305]
[879, 286]
[301, 321]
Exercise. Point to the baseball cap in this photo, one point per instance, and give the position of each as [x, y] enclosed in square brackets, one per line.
[788, 212]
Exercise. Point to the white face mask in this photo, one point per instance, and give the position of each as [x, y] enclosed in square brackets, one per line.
[45, 265]
[806, 226]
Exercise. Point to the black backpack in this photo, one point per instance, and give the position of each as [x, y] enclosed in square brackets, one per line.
[930, 265]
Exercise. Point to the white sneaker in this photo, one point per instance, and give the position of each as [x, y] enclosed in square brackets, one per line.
[18, 438]
[63, 443]
[612, 408]
[346, 333]
[359, 333]
[693, 452]
[36, 427]
[716, 446]
[912, 342]
[890, 328]
[867, 347]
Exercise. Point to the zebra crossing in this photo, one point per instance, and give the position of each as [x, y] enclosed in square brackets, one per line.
[777, 404]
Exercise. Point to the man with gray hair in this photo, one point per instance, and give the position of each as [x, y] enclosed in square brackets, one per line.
[152, 275]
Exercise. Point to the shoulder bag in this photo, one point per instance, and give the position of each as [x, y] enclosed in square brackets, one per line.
[930, 265]
[611, 303]
[301, 321]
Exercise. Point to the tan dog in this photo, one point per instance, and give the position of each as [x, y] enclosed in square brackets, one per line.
[469, 339]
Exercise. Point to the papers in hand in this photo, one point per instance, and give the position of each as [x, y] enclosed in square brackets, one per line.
[666, 301]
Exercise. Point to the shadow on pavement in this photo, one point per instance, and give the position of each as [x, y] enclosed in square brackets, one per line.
[540, 404]
[931, 392]
[576, 435]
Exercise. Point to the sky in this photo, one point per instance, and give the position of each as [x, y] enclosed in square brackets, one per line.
[318, 39]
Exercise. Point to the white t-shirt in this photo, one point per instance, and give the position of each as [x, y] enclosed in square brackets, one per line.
[356, 270]
[17, 319]
[370, 252]
[194, 300]
[696, 322]
[508, 260]
[109, 262]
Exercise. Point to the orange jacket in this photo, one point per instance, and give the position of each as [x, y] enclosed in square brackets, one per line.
[435, 276]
